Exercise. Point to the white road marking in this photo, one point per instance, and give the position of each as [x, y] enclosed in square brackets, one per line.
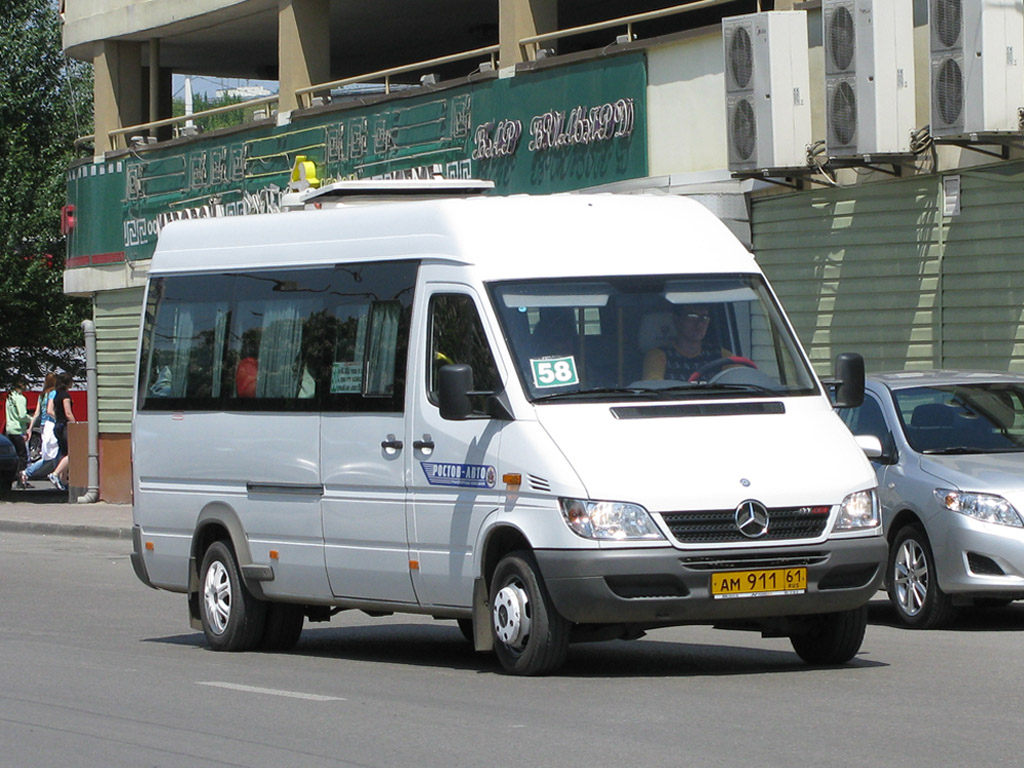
[271, 691]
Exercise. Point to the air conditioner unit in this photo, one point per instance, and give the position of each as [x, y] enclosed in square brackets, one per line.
[976, 68]
[869, 76]
[767, 85]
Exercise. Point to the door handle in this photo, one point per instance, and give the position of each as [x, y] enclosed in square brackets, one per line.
[426, 444]
[392, 443]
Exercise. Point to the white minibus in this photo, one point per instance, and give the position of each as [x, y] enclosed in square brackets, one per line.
[548, 418]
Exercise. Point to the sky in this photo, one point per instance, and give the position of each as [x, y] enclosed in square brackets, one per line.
[210, 85]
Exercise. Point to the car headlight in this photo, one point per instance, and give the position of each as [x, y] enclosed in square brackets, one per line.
[859, 512]
[982, 506]
[608, 520]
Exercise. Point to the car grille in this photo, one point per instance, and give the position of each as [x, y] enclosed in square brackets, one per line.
[716, 527]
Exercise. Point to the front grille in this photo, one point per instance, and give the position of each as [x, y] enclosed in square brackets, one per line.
[983, 566]
[734, 562]
[716, 527]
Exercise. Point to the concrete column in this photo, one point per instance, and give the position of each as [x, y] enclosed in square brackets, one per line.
[303, 48]
[154, 82]
[522, 18]
[117, 91]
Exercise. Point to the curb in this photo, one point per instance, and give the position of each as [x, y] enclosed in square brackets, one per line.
[65, 529]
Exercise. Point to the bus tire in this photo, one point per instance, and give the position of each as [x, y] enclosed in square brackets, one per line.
[283, 626]
[833, 638]
[233, 619]
[530, 636]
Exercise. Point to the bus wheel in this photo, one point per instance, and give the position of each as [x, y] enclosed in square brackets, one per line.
[833, 638]
[283, 626]
[530, 637]
[233, 619]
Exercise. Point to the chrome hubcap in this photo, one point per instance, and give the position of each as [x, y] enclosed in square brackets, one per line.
[910, 577]
[217, 596]
[511, 613]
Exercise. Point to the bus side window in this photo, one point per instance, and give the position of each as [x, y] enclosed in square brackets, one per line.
[457, 336]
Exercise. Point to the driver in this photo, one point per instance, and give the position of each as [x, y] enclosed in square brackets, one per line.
[686, 354]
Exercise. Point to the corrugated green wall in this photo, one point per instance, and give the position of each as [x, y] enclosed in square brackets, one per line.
[878, 269]
[983, 274]
[117, 316]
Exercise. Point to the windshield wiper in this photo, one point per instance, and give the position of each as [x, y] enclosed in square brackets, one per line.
[710, 388]
[960, 450]
[597, 391]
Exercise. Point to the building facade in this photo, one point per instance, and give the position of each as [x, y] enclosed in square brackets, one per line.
[909, 257]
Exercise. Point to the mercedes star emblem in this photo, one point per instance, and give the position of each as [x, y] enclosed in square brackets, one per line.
[752, 519]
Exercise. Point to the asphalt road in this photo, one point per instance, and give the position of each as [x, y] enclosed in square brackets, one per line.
[98, 670]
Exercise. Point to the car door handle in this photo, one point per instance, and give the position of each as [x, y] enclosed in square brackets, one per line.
[426, 444]
[392, 443]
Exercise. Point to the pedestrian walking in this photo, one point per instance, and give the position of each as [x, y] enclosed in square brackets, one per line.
[18, 422]
[60, 409]
[48, 443]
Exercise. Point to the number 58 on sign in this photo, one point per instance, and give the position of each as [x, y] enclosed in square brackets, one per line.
[554, 372]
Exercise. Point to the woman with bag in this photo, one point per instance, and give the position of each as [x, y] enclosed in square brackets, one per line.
[46, 423]
[59, 408]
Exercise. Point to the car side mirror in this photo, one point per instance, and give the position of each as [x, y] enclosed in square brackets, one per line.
[454, 383]
[870, 444]
[849, 380]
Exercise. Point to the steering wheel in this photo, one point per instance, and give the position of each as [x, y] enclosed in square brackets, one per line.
[709, 369]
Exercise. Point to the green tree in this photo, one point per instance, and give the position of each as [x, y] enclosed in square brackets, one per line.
[45, 103]
[201, 102]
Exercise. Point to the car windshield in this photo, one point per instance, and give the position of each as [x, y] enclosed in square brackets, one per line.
[963, 418]
[654, 338]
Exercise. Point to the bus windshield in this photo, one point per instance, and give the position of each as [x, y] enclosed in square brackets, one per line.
[650, 338]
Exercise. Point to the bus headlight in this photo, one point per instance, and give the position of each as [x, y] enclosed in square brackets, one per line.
[608, 520]
[859, 512]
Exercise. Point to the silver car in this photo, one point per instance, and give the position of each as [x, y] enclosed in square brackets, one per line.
[951, 485]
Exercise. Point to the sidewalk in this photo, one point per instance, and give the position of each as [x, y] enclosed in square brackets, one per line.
[43, 509]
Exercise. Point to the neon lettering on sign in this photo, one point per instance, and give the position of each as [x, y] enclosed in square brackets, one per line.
[582, 126]
[556, 130]
[499, 140]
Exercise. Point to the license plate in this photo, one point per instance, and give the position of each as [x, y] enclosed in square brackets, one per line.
[776, 581]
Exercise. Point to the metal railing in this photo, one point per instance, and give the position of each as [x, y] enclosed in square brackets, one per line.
[153, 124]
[387, 74]
[627, 21]
[304, 96]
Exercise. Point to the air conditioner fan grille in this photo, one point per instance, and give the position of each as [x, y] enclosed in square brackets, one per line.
[841, 37]
[949, 91]
[741, 57]
[744, 129]
[843, 114]
[947, 21]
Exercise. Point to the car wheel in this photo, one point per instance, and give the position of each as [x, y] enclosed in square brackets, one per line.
[233, 619]
[283, 626]
[833, 638]
[530, 637]
[913, 584]
[6, 481]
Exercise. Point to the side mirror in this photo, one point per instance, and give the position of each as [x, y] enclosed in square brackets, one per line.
[454, 383]
[871, 446]
[849, 380]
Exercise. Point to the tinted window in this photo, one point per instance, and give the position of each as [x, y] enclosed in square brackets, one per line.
[645, 337]
[332, 338]
[976, 417]
[457, 336]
